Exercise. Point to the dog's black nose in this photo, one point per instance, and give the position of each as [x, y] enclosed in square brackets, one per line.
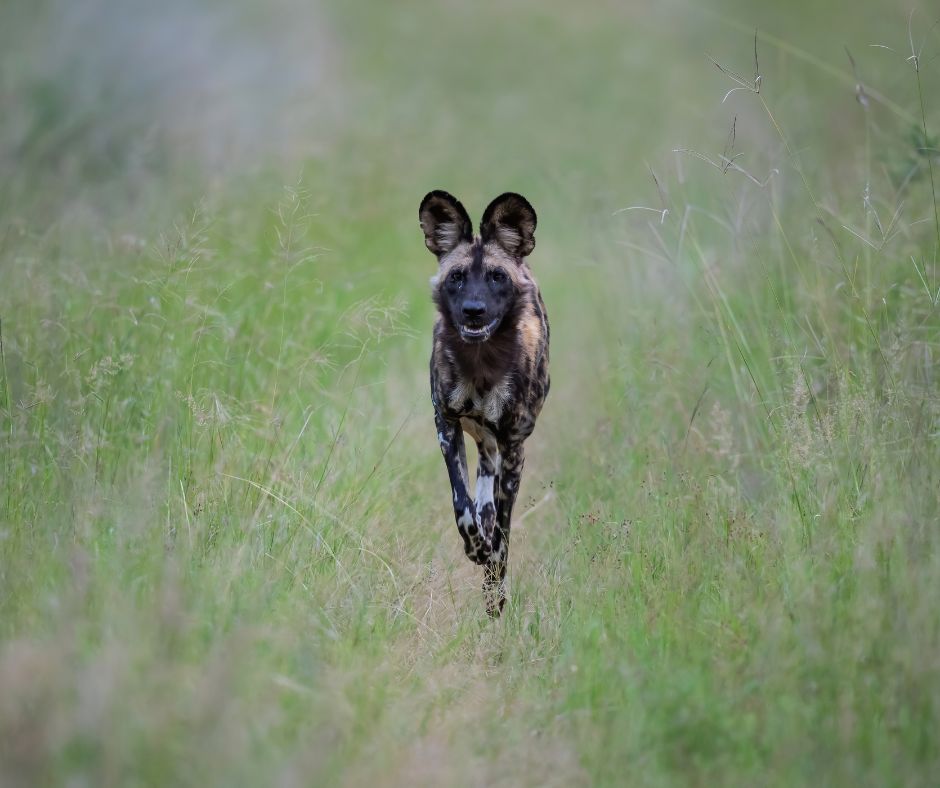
[473, 308]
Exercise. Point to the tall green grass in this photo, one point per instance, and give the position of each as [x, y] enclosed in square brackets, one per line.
[226, 552]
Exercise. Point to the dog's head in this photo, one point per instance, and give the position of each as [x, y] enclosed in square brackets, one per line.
[480, 281]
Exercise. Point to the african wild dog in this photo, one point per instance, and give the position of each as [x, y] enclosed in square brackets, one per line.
[489, 365]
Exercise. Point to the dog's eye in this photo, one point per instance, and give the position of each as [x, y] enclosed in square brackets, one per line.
[498, 276]
[456, 277]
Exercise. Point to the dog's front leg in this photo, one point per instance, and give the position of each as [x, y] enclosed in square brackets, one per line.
[494, 571]
[450, 437]
[488, 468]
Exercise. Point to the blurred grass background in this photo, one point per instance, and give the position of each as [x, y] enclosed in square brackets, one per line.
[226, 550]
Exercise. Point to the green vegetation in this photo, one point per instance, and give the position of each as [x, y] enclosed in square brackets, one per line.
[226, 548]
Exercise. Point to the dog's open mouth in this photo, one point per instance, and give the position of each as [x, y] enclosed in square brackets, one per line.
[477, 333]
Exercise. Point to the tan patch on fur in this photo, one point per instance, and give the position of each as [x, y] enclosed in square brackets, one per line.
[531, 333]
[472, 428]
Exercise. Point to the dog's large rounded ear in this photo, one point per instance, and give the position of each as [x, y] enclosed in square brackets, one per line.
[444, 221]
[510, 221]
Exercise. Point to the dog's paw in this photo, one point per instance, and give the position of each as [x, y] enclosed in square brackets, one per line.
[475, 544]
[494, 607]
[494, 588]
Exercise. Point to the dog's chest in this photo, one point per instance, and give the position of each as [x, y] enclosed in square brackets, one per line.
[481, 404]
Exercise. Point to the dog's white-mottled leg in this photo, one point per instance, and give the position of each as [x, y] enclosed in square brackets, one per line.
[487, 481]
[476, 544]
[494, 571]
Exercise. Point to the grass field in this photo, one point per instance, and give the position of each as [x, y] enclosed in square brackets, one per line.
[227, 552]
